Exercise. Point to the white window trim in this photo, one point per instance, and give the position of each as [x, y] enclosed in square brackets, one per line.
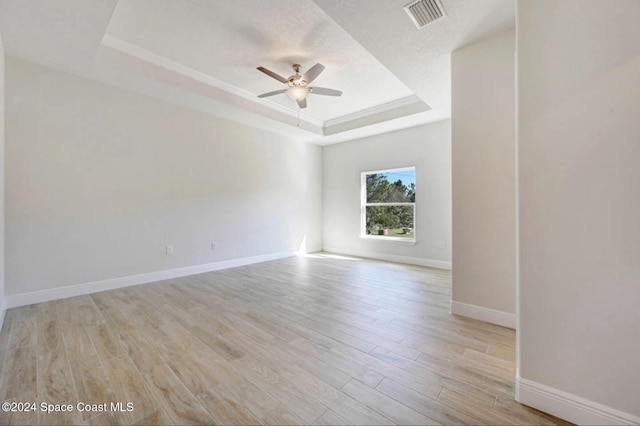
[364, 204]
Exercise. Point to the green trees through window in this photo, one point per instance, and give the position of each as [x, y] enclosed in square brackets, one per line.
[389, 203]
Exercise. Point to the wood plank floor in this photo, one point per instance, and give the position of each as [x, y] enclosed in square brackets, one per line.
[321, 339]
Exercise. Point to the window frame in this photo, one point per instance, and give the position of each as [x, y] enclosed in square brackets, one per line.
[364, 204]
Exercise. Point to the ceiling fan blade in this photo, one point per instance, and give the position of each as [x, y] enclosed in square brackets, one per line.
[272, 74]
[313, 72]
[302, 103]
[324, 91]
[275, 92]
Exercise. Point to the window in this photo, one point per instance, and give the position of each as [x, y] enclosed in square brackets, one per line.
[388, 204]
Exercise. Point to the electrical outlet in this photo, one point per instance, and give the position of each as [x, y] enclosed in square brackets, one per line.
[213, 246]
[169, 250]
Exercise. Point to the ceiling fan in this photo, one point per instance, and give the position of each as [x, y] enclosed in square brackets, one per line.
[298, 85]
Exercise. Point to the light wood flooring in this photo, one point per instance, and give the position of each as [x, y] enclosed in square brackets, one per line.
[305, 340]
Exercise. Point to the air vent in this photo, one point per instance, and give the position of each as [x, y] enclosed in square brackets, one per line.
[423, 12]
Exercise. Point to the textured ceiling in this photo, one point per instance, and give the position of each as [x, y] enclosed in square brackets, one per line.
[421, 58]
[203, 54]
[228, 40]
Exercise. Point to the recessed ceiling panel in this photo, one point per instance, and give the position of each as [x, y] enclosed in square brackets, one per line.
[203, 54]
[228, 40]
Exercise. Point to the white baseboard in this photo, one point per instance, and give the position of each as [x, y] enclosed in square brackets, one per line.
[16, 300]
[481, 313]
[440, 264]
[3, 310]
[313, 250]
[570, 407]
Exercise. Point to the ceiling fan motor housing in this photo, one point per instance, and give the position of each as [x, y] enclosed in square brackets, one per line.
[296, 80]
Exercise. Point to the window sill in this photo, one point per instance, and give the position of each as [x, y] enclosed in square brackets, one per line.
[396, 240]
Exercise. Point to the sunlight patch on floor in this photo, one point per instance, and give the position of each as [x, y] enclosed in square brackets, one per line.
[330, 256]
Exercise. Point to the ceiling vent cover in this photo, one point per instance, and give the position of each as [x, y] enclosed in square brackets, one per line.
[423, 12]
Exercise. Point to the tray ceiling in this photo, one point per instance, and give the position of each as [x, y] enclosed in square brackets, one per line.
[204, 54]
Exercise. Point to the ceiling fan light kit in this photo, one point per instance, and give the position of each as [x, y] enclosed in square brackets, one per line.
[298, 85]
[298, 89]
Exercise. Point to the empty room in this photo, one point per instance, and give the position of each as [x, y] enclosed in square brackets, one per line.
[320, 212]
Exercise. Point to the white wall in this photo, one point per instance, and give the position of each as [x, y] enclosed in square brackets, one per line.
[2, 300]
[484, 189]
[579, 162]
[428, 148]
[100, 180]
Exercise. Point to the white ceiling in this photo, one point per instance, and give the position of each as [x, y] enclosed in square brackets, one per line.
[204, 54]
[227, 40]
